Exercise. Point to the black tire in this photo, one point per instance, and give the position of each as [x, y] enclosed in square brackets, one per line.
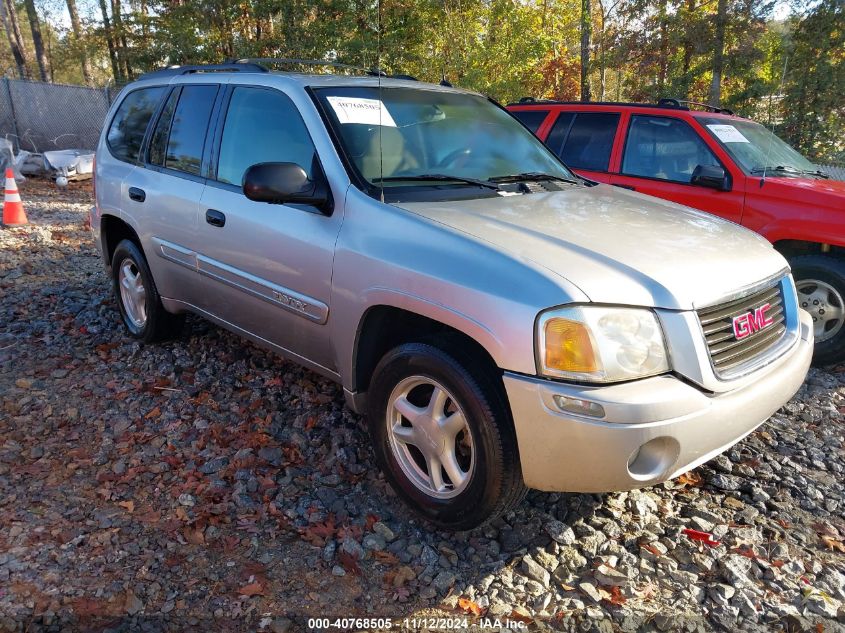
[495, 483]
[831, 271]
[159, 323]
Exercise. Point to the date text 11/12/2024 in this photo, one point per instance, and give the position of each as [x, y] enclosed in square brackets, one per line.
[415, 623]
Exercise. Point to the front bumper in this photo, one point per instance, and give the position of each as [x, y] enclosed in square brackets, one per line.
[653, 430]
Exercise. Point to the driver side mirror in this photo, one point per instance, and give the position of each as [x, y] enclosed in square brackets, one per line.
[711, 176]
[286, 183]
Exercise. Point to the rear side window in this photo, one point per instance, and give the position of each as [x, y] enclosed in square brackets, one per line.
[186, 140]
[262, 126]
[559, 132]
[127, 129]
[590, 141]
[158, 143]
[532, 119]
[664, 148]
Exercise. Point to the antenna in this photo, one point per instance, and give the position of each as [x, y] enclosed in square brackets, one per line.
[380, 100]
[771, 124]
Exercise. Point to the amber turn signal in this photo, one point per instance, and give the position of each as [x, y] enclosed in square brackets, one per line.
[569, 346]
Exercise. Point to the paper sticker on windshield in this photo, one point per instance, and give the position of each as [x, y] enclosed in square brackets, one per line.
[358, 110]
[728, 134]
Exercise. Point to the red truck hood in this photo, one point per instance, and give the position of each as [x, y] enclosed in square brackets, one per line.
[818, 190]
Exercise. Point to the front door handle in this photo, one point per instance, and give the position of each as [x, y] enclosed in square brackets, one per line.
[215, 218]
[136, 194]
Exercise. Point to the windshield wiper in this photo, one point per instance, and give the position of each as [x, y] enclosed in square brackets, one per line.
[789, 170]
[440, 178]
[532, 175]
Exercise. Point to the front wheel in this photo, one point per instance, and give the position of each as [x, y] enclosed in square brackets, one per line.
[443, 436]
[140, 304]
[820, 282]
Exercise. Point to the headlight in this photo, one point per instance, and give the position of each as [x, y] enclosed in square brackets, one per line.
[600, 344]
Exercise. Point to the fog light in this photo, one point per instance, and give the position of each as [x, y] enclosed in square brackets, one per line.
[654, 458]
[581, 407]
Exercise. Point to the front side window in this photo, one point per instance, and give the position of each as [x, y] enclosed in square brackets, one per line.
[664, 148]
[262, 126]
[755, 148]
[401, 137]
[188, 130]
[129, 125]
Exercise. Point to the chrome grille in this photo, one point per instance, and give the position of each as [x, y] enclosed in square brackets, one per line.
[726, 352]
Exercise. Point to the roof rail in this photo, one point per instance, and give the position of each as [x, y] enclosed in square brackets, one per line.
[706, 106]
[173, 71]
[664, 103]
[281, 61]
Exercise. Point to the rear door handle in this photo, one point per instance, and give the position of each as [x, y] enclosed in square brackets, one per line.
[628, 187]
[138, 195]
[215, 218]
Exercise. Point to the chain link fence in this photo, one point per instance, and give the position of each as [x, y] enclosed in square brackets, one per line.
[39, 117]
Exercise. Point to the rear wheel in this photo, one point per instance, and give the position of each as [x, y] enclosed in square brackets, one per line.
[820, 282]
[140, 304]
[443, 436]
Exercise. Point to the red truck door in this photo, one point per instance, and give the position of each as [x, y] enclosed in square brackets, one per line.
[658, 159]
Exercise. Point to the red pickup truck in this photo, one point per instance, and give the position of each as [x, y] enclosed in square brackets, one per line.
[721, 163]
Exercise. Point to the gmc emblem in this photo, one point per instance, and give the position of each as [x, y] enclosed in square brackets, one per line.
[750, 322]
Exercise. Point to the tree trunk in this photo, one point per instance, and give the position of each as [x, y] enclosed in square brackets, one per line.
[115, 66]
[9, 17]
[77, 36]
[120, 39]
[37, 40]
[586, 26]
[689, 48]
[718, 54]
[664, 50]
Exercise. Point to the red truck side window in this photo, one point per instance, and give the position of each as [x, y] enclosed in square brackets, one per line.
[584, 140]
[532, 119]
[664, 148]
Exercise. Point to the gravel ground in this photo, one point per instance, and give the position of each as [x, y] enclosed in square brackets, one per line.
[207, 483]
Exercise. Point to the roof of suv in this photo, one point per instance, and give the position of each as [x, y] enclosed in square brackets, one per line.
[671, 105]
[247, 68]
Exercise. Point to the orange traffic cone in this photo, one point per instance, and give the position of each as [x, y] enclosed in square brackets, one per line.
[13, 214]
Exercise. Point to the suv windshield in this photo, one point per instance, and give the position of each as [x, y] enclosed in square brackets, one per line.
[755, 148]
[407, 137]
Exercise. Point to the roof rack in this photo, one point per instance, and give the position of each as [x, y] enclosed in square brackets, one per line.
[664, 103]
[256, 65]
[676, 104]
[706, 106]
[173, 71]
[282, 61]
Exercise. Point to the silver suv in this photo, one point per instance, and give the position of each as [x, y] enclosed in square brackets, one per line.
[502, 323]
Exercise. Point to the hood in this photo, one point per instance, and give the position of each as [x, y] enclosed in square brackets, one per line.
[617, 246]
[829, 192]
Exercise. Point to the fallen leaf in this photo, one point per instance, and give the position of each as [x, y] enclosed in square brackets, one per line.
[386, 558]
[194, 536]
[348, 562]
[129, 506]
[704, 537]
[616, 596]
[252, 589]
[469, 606]
[833, 543]
[154, 413]
[690, 478]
